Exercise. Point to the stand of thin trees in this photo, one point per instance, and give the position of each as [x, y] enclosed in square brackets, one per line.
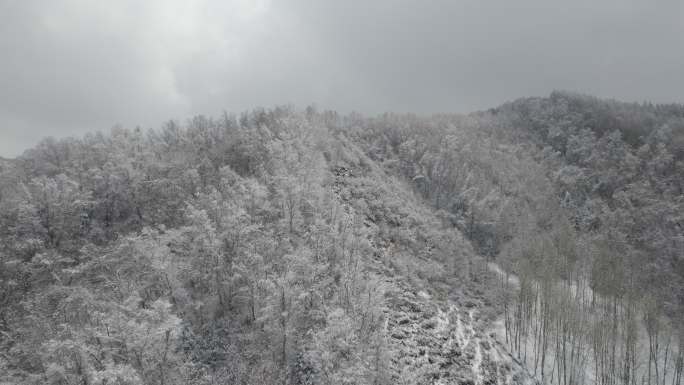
[593, 326]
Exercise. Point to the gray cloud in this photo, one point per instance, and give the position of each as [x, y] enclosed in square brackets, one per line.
[72, 66]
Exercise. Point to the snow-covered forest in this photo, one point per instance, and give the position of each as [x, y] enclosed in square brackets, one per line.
[541, 241]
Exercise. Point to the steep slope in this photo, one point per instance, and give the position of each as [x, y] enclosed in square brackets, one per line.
[439, 309]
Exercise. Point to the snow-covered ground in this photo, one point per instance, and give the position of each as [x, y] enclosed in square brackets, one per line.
[585, 372]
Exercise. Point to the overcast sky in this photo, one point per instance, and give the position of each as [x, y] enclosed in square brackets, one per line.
[68, 67]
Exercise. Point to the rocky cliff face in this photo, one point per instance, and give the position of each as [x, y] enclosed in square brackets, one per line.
[440, 328]
[445, 335]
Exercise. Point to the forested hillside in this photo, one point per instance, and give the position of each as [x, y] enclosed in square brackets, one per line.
[580, 198]
[541, 241]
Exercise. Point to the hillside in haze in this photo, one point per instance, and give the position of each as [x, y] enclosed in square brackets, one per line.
[541, 241]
